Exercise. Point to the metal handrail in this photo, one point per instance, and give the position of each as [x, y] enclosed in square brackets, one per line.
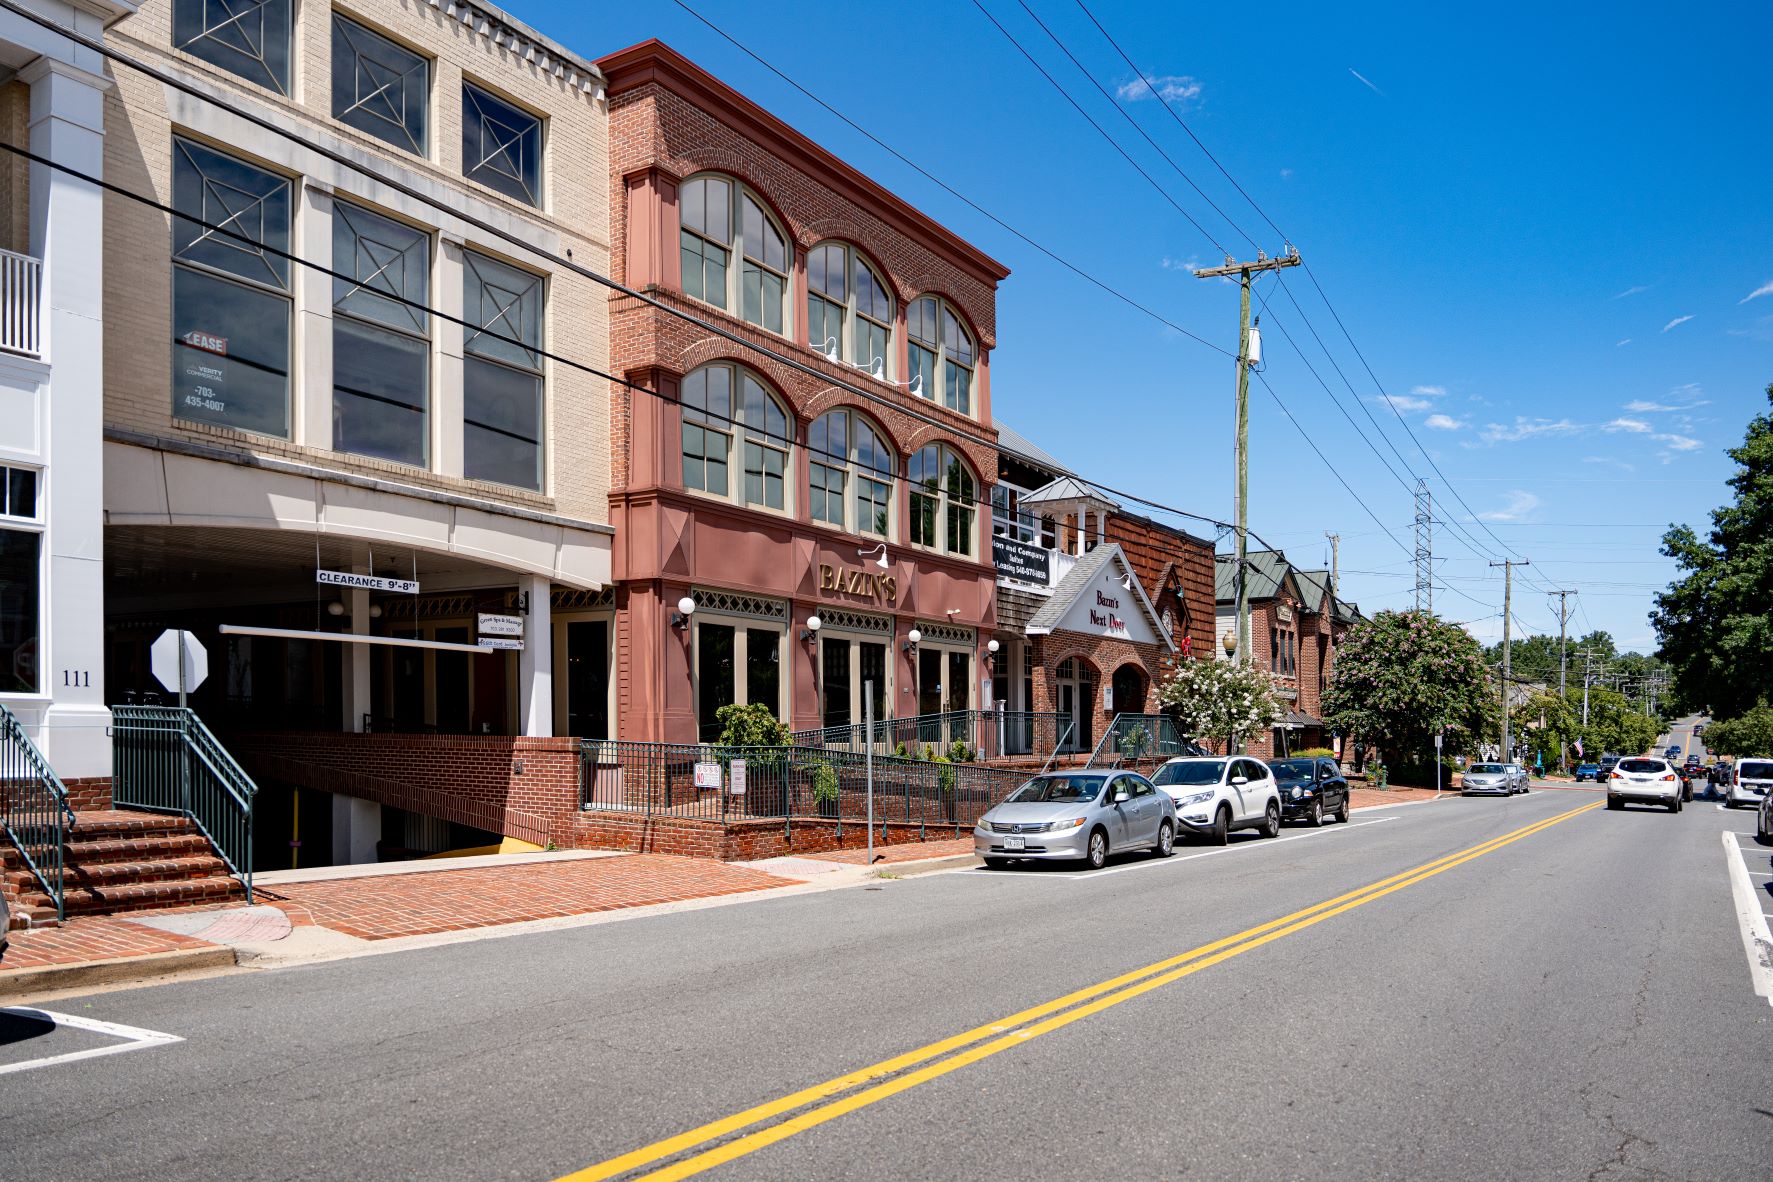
[1066, 734]
[34, 808]
[166, 760]
[1160, 738]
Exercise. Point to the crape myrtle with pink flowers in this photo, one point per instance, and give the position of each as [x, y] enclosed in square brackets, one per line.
[1402, 677]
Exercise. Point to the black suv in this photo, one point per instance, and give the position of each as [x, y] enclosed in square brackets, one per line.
[1310, 789]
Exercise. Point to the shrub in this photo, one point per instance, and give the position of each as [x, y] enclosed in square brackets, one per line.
[824, 782]
[1316, 753]
[946, 776]
[750, 726]
[902, 751]
[959, 752]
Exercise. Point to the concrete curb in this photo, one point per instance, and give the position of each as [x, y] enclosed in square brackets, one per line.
[1756, 940]
[122, 969]
[925, 865]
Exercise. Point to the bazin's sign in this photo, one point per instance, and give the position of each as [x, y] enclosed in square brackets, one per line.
[1019, 560]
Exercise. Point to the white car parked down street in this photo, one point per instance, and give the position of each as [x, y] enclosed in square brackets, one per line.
[1216, 794]
[1750, 781]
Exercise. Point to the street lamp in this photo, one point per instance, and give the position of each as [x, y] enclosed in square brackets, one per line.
[1229, 641]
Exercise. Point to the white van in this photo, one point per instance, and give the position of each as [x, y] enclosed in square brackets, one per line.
[1749, 782]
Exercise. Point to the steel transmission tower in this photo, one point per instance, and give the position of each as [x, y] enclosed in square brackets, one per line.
[1424, 548]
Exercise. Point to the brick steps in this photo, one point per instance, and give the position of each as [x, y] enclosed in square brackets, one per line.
[122, 861]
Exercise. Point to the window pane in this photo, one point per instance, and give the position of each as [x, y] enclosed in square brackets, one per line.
[773, 291]
[826, 488]
[390, 268]
[871, 450]
[871, 657]
[715, 681]
[20, 493]
[834, 675]
[958, 394]
[871, 297]
[923, 368]
[923, 519]
[501, 145]
[20, 595]
[873, 501]
[719, 397]
[920, 322]
[871, 346]
[704, 459]
[825, 272]
[719, 223]
[763, 476]
[379, 87]
[763, 678]
[380, 395]
[751, 293]
[824, 325]
[960, 529]
[505, 303]
[955, 338]
[502, 424]
[714, 276]
[692, 205]
[230, 354]
[245, 37]
[693, 284]
[960, 681]
[245, 202]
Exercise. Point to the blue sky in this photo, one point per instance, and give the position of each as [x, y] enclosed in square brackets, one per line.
[1541, 227]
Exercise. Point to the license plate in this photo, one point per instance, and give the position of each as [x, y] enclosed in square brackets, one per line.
[1015, 843]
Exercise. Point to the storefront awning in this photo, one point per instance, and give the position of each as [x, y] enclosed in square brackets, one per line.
[1296, 721]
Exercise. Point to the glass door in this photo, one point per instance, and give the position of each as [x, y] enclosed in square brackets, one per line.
[587, 679]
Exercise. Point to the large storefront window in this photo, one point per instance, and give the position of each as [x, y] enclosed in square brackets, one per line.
[943, 493]
[21, 582]
[381, 347]
[230, 295]
[502, 373]
[735, 662]
[724, 403]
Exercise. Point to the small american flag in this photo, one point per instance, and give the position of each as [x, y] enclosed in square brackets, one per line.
[1578, 748]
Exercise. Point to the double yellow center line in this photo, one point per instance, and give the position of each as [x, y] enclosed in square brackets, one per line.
[815, 1105]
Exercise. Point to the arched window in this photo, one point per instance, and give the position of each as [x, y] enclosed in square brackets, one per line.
[723, 403]
[941, 354]
[943, 492]
[715, 214]
[848, 311]
[851, 474]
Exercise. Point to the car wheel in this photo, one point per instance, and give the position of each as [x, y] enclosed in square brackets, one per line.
[1316, 815]
[1342, 809]
[1166, 840]
[1674, 806]
[997, 863]
[1614, 803]
[1271, 820]
[1221, 832]
[1097, 856]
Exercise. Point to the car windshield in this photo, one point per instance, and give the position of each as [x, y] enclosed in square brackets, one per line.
[1642, 766]
[1203, 771]
[1754, 769]
[1058, 790]
[1486, 769]
[1293, 769]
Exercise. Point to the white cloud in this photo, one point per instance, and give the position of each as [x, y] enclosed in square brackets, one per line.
[1635, 426]
[1638, 289]
[1611, 461]
[1626, 341]
[1760, 330]
[1525, 428]
[1365, 83]
[1286, 174]
[1172, 88]
[1676, 321]
[1679, 442]
[1429, 391]
[1519, 505]
[1443, 423]
[1403, 402]
[1764, 289]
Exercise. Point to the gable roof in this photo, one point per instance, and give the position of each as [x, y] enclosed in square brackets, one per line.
[1269, 571]
[1076, 581]
[1069, 489]
[1314, 588]
[1019, 447]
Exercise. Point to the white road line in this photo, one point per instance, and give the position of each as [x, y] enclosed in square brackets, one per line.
[134, 1038]
[1756, 941]
[1088, 875]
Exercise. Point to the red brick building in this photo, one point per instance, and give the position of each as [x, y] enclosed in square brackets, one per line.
[1296, 621]
[750, 497]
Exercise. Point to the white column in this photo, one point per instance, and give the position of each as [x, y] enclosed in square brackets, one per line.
[311, 413]
[356, 826]
[1101, 526]
[535, 664]
[67, 126]
[446, 401]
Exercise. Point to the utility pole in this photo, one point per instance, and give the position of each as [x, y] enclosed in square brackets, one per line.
[1587, 656]
[1246, 273]
[1424, 548]
[1335, 563]
[1507, 566]
[1563, 664]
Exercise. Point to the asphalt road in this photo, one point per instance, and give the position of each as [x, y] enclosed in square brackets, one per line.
[1572, 1003]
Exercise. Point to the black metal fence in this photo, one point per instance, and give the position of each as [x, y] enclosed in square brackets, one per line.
[33, 807]
[710, 783]
[165, 760]
[987, 734]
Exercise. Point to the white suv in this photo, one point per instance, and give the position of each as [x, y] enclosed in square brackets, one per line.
[1749, 782]
[1646, 779]
[1215, 795]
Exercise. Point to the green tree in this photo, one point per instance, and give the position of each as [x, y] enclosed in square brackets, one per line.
[1613, 724]
[1226, 700]
[1402, 677]
[1713, 622]
[1748, 734]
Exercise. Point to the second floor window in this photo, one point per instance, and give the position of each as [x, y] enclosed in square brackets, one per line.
[381, 337]
[849, 313]
[245, 37]
[943, 493]
[726, 409]
[717, 216]
[502, 383]
[941, 354]
[850, 473]
[378, 86]
[501, 145]
[231, 301]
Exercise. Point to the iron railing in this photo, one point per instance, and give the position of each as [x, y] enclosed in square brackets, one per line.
[711, 783]
[165, 760]
[34, 808]
[988, 734]
[1137, 740]
[21, 302]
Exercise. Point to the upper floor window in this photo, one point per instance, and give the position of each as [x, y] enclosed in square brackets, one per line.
[943, 493]
[381, 337]
[849, 313]
[245, 37]
[231, 301]
[941, 354]
[501, 145]
[724, 405]
[710, 210]
[850, 473]
[501, 373]
[378, 86]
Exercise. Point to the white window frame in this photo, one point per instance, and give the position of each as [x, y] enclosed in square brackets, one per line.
[944, 501]
[852, 316]
[854, 472]
[739, 435]
[737, 256]
[935, 388]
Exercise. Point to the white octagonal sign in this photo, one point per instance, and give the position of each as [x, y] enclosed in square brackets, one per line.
[164, 658]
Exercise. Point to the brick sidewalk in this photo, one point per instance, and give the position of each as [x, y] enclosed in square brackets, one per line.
[911, 851]
[1365, 798]
[90, 938]
[457, 900]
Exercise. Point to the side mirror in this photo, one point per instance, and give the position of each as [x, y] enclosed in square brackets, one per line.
[1240, 779]
[1121, 795]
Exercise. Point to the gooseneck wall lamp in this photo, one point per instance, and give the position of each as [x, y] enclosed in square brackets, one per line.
[881, 549]
[686, 607]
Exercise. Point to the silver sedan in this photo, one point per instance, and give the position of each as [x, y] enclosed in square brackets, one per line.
[1488, 779]
[1077, 816]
